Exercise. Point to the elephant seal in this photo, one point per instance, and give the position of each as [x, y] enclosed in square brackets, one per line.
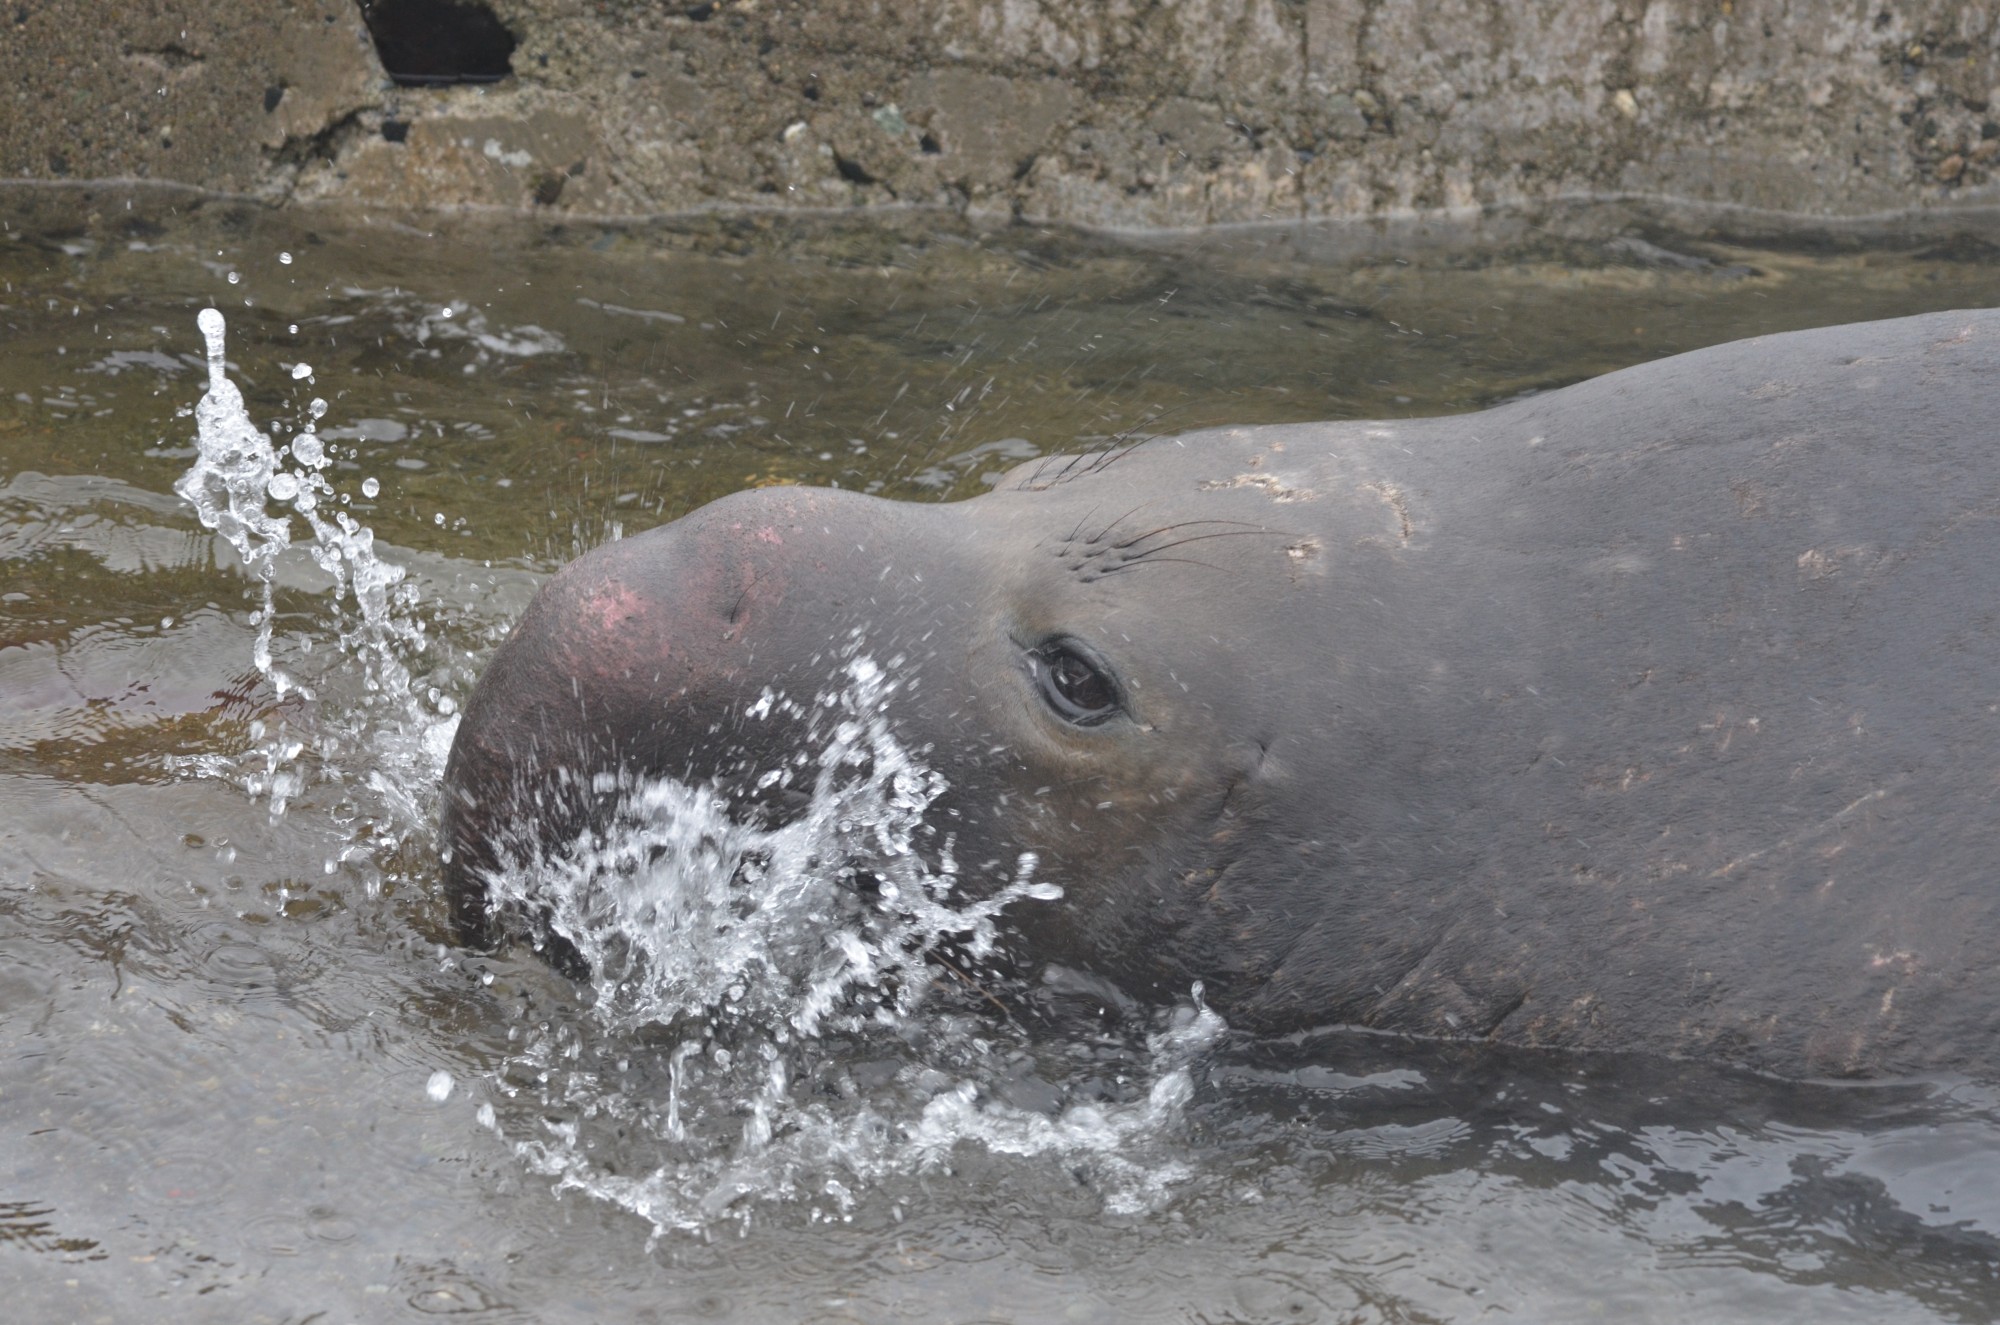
[1659, 713]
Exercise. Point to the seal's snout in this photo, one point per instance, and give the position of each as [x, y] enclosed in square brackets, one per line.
[628, 663]
[617, 655]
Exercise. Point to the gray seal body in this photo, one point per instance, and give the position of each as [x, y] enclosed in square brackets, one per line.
[1659, 713]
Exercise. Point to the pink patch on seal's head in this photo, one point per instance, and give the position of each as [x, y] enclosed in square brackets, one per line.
[611, 607]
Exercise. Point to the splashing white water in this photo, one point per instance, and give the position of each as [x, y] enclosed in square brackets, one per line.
[757, 1029]
[772, 969]
[820, 1134]
[237, 471]
[229, 482]
[678, 907]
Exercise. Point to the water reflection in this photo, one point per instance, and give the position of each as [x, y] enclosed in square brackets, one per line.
[1704, 1176]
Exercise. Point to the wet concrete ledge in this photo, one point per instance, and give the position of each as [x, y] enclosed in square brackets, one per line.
[1321, 121]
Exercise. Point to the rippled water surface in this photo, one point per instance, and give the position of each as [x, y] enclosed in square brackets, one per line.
[243, 1075]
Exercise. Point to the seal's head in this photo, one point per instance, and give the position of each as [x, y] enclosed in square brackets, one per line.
[1118, 664]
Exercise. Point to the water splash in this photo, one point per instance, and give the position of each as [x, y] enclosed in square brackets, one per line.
[236, 473]
[679, 906]
[228, 484]
[773, 959]
[823, 1135]
[761, 1024]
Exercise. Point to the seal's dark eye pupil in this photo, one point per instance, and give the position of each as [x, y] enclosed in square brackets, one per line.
[1074, 686]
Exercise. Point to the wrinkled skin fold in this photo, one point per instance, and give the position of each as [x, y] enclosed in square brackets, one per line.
[1660, 713]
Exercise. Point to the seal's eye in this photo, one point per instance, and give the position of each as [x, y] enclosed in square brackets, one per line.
[1072, 684]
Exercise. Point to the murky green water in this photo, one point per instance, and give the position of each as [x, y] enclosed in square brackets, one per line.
[220, 1031]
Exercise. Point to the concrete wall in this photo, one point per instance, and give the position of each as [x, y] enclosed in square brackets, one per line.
[1121, 113]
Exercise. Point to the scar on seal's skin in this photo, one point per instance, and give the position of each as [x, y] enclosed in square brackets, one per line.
[1393, 496]
[1270, 486]
[1301, 554]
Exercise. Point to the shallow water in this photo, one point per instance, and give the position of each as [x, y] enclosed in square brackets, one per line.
[222, 1031]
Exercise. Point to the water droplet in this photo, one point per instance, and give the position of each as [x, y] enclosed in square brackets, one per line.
[282, 486]
[285, 259]
[212, 328]
[301, 371]
[293, 329]
[439, 518]
[370, 487]
[317, 408]
[309, 451]
[234, 278]
[439, 1086]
